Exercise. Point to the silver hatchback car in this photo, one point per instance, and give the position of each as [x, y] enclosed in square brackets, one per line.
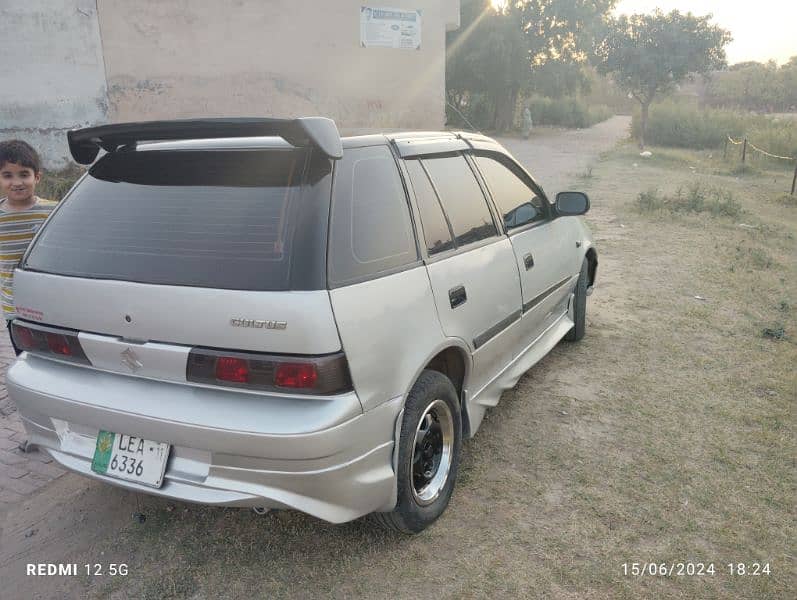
[256, 312]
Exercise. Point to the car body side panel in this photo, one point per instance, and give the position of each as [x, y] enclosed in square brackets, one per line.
[558, 323]
[488, 318]
[579, 240]
[553, 247]
[181, 315]
[387, 325]
[553, 250]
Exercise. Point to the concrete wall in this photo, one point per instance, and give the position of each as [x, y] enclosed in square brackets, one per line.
[73, 63]
[176, 58]
[52, 76]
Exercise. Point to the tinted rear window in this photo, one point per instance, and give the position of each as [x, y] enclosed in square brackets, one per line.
[249, 220]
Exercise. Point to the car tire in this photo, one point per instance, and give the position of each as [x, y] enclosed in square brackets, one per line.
[579, 305]
[428, 456]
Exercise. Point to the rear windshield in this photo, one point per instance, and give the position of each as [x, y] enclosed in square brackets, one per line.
[233, 219]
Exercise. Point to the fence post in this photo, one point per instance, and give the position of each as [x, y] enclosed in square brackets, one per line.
[794, 179]
[744, 150]
[725, 149]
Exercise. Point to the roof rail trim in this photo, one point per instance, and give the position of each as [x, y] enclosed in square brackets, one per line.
[419, 147]
[319, 132]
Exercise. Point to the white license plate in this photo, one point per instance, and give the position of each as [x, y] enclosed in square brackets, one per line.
[130, 458]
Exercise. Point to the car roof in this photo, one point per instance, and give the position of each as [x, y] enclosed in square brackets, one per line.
[414, 142]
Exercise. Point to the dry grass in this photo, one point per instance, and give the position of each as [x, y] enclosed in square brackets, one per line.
[666, 435]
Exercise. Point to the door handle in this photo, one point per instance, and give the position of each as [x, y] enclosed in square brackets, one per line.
[528, 260]
[457, 296]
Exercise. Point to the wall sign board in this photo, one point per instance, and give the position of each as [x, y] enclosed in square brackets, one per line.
[390, 28]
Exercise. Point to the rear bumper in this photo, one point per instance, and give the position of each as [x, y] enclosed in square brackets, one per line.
[322, 456]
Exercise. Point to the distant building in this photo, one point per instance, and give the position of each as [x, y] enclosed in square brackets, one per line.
[73, 63]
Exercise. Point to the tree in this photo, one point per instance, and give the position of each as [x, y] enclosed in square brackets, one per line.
[751, 86]
[788, 76]
[487, 60]
[494, 52]
[649, 54]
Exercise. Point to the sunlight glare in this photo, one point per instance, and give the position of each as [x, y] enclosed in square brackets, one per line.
[498, 5]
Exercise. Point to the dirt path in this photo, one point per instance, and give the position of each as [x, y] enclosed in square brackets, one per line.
[556, 158]
[72, 519]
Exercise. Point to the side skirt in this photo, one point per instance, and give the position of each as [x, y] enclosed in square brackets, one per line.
[508, 377]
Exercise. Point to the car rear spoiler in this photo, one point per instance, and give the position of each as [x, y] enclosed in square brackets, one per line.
[319, 132]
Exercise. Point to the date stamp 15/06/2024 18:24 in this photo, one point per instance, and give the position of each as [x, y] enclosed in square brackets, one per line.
[697, 569]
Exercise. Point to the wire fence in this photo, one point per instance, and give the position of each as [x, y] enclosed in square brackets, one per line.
[745, 144]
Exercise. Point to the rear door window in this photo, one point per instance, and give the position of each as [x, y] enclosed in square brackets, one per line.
[462, 199]
[220, 219]
[371, 230]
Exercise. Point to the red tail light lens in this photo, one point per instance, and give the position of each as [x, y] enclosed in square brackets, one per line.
[58, 344]
[295, 375]
[321, 375]
[44, 340]
[233, 369]
[23, 337]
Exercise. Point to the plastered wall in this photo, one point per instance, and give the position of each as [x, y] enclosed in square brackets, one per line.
[174, 58]
[52, 76]
[79, 62]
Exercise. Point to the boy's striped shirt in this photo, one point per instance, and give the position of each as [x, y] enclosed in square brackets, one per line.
[17, 229]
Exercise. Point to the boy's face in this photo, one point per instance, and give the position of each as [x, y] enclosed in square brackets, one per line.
[18, 182]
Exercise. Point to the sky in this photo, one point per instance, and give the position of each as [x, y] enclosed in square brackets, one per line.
[761, 29]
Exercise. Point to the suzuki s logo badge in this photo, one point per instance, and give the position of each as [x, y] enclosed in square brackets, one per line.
[257, 324]
[131, 360]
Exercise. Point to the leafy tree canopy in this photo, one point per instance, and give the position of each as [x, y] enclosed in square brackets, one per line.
[648, 54]
[494, 53]
[755, 86]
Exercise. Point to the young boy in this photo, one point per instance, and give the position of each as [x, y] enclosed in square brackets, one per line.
[21, 214]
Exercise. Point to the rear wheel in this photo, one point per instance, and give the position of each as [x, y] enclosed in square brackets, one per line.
[429, 447]
[580, 305]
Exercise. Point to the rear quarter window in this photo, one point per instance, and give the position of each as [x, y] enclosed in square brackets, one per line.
[370, 231]
[221, 219]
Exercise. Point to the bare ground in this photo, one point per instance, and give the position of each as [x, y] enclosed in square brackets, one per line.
[666, 435]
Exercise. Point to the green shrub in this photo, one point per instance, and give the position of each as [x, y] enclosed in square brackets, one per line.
[55, 184]
[650, 200]
[560, 112]
[722, 202]
[776, 332]
[696, 198]
[687, 126]
[565, 112]
[475, 112]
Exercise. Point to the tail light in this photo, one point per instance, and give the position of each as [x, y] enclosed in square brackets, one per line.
[58, 344]
[295, 375]
[233, 369]
[321, 375]
[48, 341]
